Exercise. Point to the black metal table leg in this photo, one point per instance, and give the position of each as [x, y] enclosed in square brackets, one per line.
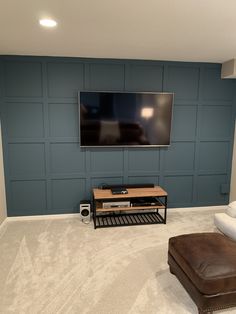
[165, 211]
[94, 213]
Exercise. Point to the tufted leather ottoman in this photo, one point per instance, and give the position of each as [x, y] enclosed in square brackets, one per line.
[205, 264]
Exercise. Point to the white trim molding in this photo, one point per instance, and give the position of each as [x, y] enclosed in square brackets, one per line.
[43, 217]
[77, 215]
[3, 226]
[217, 207]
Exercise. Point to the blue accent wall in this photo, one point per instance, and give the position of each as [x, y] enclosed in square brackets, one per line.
[48, 173]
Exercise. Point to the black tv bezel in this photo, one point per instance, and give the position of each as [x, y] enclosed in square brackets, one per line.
[124, 146]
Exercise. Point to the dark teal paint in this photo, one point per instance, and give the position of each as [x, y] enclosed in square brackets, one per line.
[46, 170]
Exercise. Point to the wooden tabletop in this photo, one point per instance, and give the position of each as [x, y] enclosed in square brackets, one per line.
[136, 192]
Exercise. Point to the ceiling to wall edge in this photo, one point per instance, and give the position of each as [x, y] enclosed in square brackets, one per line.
[228, 68]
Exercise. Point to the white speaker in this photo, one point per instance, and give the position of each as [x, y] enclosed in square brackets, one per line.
[85, 211]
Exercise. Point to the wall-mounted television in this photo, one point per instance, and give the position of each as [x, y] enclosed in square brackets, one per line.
[125, 118]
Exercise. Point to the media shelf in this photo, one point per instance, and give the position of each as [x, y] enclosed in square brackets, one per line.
[130, 215]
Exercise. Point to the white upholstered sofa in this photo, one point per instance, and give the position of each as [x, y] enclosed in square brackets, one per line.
[226, 222]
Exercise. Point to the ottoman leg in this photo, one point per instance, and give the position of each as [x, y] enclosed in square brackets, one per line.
[171, 271]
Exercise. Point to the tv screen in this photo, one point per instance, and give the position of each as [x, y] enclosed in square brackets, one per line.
[125, 119]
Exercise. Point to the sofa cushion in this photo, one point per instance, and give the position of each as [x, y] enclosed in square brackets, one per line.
[226, 224]
[208, 259]
[231, 209]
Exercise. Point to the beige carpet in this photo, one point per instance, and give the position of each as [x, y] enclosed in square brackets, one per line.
[63, 266]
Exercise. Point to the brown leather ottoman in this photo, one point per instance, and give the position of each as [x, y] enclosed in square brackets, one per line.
[205, 264]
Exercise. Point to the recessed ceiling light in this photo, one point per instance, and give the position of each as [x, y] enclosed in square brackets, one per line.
[48, 23]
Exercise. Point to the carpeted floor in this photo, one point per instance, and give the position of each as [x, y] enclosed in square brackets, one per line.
[63, 266]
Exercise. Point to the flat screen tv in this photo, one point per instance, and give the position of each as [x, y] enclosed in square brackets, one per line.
[125, 118]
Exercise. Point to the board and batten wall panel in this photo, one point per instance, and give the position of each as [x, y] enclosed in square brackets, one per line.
[233, 173]
[47, 172]
[3, 205]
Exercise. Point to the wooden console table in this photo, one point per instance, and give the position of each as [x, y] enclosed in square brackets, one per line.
[151, 201]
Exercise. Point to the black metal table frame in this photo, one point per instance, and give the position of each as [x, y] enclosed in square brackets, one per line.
[114, 219]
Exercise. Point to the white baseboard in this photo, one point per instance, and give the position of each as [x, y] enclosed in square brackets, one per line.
[66, 216]
[42, 217]
[3, 226]
[217, 207]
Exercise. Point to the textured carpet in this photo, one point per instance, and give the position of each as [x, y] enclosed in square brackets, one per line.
[64, 266]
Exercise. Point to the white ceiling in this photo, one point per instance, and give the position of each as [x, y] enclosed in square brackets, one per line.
[184, 30]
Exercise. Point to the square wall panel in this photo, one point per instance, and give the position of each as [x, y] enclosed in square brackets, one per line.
[183, 82]
[64, 120]
[26, 159]
[27, 198]
[106, 77]
[214, 156]
[107, 161]
[1, 71]
[67, 158]
[143, 179]
[179, 156]
[97, 182]
[145, 78]
[67, 194]
[144, 160]
[209, 189]
[215, 122]
[25, 120]
[65, 79]
[184, 123]
[179, 189]
[23, 79]
[215, 88]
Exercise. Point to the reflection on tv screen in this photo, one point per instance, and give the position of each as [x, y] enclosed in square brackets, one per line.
[125, 119]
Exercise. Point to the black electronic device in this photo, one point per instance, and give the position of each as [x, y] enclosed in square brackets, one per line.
[119, 190]
[148, 201]
[125, 118]
[126, 186]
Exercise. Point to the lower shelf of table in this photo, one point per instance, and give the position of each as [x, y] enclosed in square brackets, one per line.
[127, 219]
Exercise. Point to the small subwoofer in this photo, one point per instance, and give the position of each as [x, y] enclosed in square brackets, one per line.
[85, 211]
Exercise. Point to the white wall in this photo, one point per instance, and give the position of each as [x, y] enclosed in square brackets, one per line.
[3, 211]
[233, 173]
